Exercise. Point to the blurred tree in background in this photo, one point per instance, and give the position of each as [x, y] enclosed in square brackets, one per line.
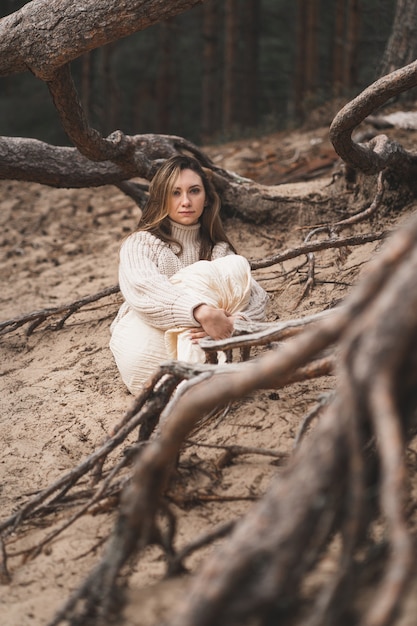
[222, 70]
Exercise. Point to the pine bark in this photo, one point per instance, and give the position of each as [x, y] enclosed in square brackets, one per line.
[401, 48]
[165, 78]
[210, 95]
[338, 46]
[230, 87]
[306, 74]
[250, 53]
[352, 37]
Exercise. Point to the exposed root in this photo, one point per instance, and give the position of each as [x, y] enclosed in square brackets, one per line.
[356, 448]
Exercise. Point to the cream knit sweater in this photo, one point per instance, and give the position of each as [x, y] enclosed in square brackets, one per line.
[146, 264]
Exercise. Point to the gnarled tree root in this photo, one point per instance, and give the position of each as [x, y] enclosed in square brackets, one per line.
[356, 450]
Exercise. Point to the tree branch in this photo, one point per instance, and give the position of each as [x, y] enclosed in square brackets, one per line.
[44, 35]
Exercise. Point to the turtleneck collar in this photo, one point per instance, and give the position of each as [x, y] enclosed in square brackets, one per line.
[181, 231]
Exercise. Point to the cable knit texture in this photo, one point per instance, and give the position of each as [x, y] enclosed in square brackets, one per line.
[147, 263]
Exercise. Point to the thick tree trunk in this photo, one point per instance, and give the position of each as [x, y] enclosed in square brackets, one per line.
[230, 80]
[352, 36]
[311, 59]
[401, 48]
[250, 54]
[338, 48]
[165, 77]
[306, 53]
[345, 43]
[211, 91]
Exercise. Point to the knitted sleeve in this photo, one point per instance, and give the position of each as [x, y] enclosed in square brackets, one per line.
[149, 292]
[255, 311]
[220, 249]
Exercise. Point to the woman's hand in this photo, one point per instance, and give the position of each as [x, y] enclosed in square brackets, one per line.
[216, 323]
[196, 334]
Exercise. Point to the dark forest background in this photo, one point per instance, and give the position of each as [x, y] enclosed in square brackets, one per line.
[224, 70]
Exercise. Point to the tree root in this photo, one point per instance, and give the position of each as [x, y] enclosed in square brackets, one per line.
[334, 229]
[356, 450]
[36, 318]
[103, 489]
[380, 153]
[282, 537]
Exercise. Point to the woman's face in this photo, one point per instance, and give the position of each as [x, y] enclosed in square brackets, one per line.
[186, 202]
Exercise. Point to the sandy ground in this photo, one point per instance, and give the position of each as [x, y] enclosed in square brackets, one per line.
[61, 394]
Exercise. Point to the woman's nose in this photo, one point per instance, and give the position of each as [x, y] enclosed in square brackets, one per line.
[185, 199]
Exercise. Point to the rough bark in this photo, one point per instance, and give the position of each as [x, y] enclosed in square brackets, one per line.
[210, 109]
[306, 52]
[35, 161]
[230, 82]
[311, 32]
[250, 93]
[165, 77]
[345, 41]
[352, 36]
[401, 48]
[44, 35]
[338, 48]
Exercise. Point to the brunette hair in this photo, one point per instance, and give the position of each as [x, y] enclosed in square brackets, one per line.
[155, 213]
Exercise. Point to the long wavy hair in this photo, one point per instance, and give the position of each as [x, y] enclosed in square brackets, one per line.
[155, 213]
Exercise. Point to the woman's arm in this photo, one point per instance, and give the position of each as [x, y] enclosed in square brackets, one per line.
[149, 292]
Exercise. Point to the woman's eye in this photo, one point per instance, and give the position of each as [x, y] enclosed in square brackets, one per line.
[195, 190]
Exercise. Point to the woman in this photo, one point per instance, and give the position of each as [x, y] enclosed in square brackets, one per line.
[180, 276]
